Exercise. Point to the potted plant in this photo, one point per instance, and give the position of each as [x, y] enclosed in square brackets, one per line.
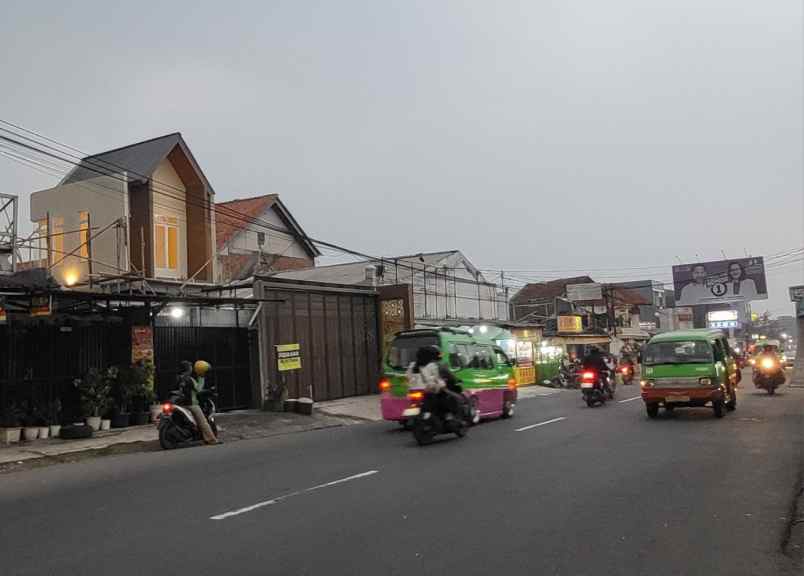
[31, 423]
[94, 389]
[122, 385]
[141, 394]
[55, 418]
[10, 425]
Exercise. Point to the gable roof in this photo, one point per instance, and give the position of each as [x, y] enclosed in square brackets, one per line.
[138, 160]
[355, 272]
[548, 290]
[234, 216]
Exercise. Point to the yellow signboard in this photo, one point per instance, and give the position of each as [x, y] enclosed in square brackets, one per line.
[288, 357]
[570, 324]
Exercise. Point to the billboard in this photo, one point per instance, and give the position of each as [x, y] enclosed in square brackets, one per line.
[741, 279]
[589, 292]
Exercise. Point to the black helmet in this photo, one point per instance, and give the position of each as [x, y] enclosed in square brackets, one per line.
[427, 354]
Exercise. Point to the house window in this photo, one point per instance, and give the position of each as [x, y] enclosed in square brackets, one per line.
[260, 238]
[56, 239]
[83, 234]
[41, 239]
[166, 244]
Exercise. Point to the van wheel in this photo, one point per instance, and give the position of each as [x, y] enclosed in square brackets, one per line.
[652, 409]
[508, 409]
[474, 411]
[717, 407]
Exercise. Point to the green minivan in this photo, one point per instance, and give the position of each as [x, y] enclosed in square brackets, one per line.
[485, 372]
[689, 368]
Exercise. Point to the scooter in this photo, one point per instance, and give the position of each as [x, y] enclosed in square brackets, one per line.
[177, 426]
[596, 388]
[768, 374]
[627, 371]
[428, 421]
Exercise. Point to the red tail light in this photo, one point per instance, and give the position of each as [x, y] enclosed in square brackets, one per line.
[588, 376]
[624, 370]
[385, 385]
[167, 408]
[416, 396]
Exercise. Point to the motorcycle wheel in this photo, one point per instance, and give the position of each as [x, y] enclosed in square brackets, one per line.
[771, 390]
[717, 407]
[423, 433]
[169, 437]
[460, 431]
[590, 402]
[508, 409]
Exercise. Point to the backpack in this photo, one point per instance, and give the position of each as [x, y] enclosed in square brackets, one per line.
[427, 378]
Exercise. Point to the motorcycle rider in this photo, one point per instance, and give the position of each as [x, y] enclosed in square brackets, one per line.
[191, 383]
[596, 361]
[436, 378]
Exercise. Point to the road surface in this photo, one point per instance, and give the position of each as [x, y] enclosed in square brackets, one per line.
[558, 489]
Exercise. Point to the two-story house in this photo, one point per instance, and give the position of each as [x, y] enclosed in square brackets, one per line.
[143, 209]
[260, 235]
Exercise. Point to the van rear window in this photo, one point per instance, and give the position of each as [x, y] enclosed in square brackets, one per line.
[403, 350]
[691, 352]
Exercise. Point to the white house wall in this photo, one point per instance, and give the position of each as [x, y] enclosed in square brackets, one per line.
[275, 242]
[105, 199]
[170, 199]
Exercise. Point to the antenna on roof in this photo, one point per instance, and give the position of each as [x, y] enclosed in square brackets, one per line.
[724, 254]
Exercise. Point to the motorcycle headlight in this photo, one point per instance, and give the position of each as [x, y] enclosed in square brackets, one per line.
[768, 363]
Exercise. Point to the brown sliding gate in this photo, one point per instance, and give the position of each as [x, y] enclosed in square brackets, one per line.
[336, 328]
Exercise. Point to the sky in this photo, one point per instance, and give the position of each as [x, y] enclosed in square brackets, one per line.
[546, 138]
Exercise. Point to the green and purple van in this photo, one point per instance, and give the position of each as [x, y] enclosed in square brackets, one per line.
[485, 372]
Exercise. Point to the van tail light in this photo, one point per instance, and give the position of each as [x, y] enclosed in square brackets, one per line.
[167, 408]
[385, 385]
[588, 376]
[416, 396]
[624, 370]
[512, 383]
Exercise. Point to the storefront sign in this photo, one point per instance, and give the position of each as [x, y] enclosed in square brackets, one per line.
[40, 306]
[589, 292]
[142, 344]
[288, 357]
[724, 324]
[570, 324]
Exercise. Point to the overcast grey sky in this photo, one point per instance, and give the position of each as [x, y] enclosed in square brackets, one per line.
[537, 135]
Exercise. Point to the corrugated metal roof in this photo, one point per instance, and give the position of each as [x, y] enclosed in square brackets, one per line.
[355, 272]
[139, 160]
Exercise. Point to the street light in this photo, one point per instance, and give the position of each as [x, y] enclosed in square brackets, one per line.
[784, 335]
[176, 312]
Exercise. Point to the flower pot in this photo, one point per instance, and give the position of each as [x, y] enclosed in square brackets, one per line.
[94, 422]
[55, 430]
[10, 435]
[30, 433]
[304, 406]
[140, 418]
[105, 424]
[44, 432]
[121, 420]
[156, 411]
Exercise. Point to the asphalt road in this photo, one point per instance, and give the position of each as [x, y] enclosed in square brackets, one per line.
[589, 491]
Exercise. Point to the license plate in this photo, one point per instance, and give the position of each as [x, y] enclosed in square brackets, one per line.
[587, 385]
[410, 412]
[677, 399]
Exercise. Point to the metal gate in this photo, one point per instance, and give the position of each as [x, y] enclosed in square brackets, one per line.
[336, 328]
[225, 348]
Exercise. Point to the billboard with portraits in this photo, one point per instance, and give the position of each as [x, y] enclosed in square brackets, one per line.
[721, 281]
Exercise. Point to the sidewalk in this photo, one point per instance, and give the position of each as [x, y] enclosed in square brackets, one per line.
[232, 426]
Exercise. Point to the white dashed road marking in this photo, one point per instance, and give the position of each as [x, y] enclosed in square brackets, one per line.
[629, 400]
[541, 424]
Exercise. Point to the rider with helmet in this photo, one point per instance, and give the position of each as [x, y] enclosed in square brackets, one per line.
[436, 378]
[191, 384]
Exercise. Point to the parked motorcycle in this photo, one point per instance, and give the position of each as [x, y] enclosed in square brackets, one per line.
[430, 421]
[596, 387]
[768, 373]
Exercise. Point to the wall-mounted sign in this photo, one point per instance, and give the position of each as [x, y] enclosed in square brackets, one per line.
[796, 293]
[570, 324]
[288, 357]
[142, 344]
[3, 317]
[724, 324]
[722, 315]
